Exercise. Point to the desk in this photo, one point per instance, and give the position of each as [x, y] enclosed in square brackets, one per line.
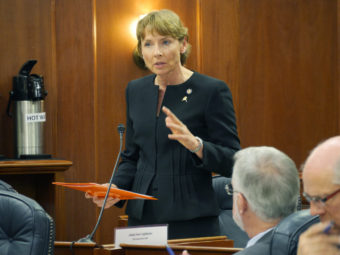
[215, 241]
[67, 248]
[216, 245]
[33, 178]
[161, 250]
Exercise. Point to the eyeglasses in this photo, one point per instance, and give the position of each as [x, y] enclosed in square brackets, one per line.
[319, 201]
[229, 189]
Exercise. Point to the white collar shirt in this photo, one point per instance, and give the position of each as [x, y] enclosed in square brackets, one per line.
[257, 237]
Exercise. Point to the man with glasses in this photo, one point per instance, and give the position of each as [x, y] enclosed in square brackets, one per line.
[321, 181]
[265, 186]
[265, 190]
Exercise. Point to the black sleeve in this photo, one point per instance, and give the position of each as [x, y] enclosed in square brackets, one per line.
[127, 168]
[223, 140]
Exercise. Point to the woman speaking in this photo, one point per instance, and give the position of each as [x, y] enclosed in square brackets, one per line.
[180, 128]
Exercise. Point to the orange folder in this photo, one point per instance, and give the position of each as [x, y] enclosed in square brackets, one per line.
[95, 189]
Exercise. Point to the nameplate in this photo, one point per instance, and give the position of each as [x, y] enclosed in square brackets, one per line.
[149, 235]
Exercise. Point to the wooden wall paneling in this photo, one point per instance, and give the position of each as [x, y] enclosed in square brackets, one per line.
[279, 96]
[220, 42]
[318, 109]
[266, 66]
[115, 68]
[26, 35]
[76, 110]
[259, 29]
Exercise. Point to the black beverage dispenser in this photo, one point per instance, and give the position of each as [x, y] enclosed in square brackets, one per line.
[28, 96]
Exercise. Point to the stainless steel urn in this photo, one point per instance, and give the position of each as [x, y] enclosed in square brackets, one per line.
[29, 115]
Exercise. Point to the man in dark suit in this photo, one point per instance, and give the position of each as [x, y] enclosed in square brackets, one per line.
[321, 181]
[265, 186]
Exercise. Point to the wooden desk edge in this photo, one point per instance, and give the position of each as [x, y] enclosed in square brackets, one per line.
[34, 166]
[197, 239]
[183, 241]
[75, 244]
[180, 247]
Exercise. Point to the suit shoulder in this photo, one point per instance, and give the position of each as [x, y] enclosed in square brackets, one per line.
[205, 81]
[141, 82]
[259, 249]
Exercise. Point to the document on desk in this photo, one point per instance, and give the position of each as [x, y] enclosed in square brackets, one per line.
[98, 190]
[147, 235]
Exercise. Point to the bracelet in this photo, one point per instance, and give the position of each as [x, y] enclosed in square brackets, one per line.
[200, 144]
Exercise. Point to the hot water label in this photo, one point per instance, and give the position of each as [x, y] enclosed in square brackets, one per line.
[36, 117]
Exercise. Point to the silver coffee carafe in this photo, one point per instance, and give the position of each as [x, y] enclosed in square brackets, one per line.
[29, 115]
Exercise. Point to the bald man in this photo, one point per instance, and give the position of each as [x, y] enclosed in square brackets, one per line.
[321, 181]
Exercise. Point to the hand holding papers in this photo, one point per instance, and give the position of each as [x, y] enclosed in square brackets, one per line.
[97, 190]
[99, 201]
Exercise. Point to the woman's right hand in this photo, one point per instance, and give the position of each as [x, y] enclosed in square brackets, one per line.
[100, 200]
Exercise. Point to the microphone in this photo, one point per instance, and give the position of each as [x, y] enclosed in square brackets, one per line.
[88, 238]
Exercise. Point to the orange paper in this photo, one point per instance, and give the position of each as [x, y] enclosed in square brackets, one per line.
[95, 189]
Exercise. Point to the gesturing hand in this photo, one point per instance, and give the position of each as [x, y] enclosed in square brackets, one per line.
[180, 132]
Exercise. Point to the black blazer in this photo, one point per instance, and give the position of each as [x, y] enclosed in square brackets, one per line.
[261, 247]
[205, 106]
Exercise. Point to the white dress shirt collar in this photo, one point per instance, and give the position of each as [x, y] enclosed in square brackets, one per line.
[257, 237]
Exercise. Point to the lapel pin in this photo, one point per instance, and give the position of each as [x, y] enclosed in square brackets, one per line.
[185, 99]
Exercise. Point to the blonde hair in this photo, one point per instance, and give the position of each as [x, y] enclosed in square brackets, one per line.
[164, 22]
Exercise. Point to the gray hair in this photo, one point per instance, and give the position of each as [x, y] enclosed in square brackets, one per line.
[269, 180]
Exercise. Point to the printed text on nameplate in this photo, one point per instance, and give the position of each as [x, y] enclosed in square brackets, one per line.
[36, 117]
